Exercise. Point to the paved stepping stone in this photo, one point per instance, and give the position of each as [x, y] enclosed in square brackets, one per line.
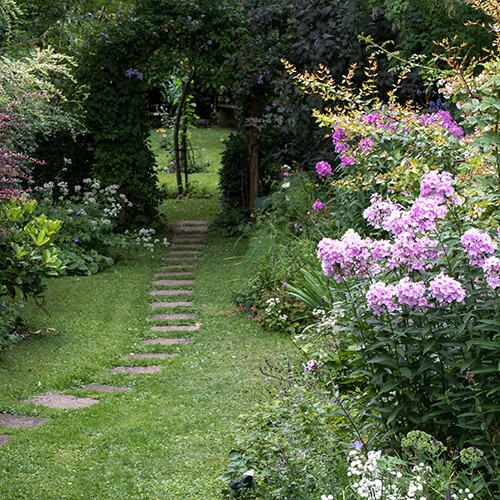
[20, 421]
[171, 292]
[173, 282]
[188, 245]
[151, 355]
[138, 370]
[166, 341]
[185, 252]
[3, 439]
[189, 238]
[204, 222]
[178, 266]
[61, 401]
[173, 274]
[175, 328]
[106, 388]
[179, 259]
[159, 305]
[173, 317]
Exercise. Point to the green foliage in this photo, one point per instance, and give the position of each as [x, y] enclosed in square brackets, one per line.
[111, 69]
[91, 237]
[27, 256]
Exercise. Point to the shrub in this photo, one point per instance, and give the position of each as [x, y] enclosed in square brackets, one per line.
[27, 255]
[91, 235]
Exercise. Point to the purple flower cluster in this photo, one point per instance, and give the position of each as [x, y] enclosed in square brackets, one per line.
[491, 268]
[317, 205]
[134, 73]
[446, 290]
[351, 256]
[478, 246]
[361, 138]
[323, 168]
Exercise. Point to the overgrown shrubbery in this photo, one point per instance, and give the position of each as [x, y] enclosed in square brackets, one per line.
[400, 322]
[91, 236]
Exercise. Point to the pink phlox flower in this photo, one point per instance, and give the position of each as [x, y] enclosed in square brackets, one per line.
[365, 145]
[317, 205]
[399, 221]
[380, 298]
[446, 290]
[438, 186]
[414, 254]
[491, 268]
[425, 212]
[478, 246]
[347, 161]
[443, 119]
[378, 210]
[411, 293]
[323, 168]
[349, 256]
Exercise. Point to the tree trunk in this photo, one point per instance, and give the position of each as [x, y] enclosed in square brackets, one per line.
[181, 106]
[253, 159]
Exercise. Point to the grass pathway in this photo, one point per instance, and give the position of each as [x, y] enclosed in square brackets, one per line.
[169, 436]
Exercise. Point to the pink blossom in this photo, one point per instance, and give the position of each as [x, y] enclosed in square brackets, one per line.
[411, 293]
[380, 298]
[446, 290]
[425, 211]
[491, 268]
[478, 246]
[347, 161]
[378, 210]
[323, 168]
[438, 186]
[317, 205]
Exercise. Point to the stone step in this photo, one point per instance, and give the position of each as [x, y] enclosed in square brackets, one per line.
[173, 274]
[61, 401]
[138, 370]
[3, 439]
[192, 222]
[188, 246]
[173, 317]
[187, 238]
[185, 252]
[20, 421]
[175, 328]
[181, 259]
[173, 282]
[171, 292]
[166, 341]
[160, 305]
[150, 355]
[178, 266]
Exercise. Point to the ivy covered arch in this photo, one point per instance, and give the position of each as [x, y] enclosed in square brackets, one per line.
[158, 37]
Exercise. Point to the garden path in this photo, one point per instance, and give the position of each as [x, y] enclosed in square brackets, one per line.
[171, 319]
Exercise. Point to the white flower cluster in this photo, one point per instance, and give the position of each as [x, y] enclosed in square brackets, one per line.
[371, 483]
[145, 238]
[271, 303]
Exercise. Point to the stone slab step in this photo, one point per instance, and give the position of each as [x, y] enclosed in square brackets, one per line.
[106, 388]
[173, 274]
[61, 401]
[189, 238]
[3, 439]
[181, 259]
[193, 222]
[138, 370]
[175, 328]
[173, 317]
[178, 266]
[188, 246]
[161, 305]
[151, 355]
[20, 421]
[185, 252]
[170, 293]
[172, 282]
[166, 341]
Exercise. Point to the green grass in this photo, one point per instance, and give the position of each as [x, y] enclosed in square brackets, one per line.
[208, 142]
[169, 437]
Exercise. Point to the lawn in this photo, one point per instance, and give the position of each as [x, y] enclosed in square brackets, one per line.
[169, 437]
